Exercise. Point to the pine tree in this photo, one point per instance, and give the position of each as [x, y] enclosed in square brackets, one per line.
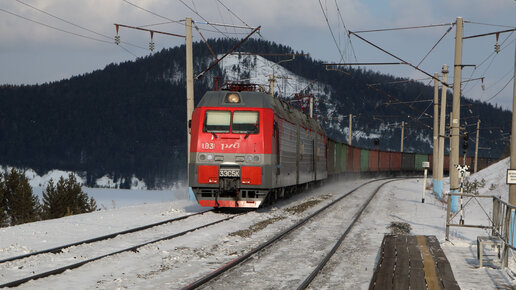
[66, 198]
[53, 203]
[21, 205]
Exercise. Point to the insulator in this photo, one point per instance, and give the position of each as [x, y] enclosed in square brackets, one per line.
[117, 39]
[497, 47]
[151, 46]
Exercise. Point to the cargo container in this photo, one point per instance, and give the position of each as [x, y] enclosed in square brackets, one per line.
[339, 166]
[356, 159]
[331, 157]
[408, 161]
[385, 160]
[373, 160]
[344, 157]
[419, 159]
[395, 161]
[364, 160]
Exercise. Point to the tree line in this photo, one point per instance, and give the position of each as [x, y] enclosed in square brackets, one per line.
[18, 204]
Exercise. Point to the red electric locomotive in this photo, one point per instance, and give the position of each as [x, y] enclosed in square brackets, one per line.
[248, 147]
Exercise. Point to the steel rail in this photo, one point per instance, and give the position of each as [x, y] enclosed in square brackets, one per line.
[324, 261]
[100, 238]
[133, 248]
[274, 239]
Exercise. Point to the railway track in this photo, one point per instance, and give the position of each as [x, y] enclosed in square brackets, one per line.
[294, 255]
[96, 243]
[58, 249]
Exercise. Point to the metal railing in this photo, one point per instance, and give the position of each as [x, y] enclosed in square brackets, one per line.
[502, 220]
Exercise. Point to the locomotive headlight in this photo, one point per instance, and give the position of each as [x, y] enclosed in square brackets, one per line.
[233, 98]
[209, 157]
[252, 158]
[202, 157]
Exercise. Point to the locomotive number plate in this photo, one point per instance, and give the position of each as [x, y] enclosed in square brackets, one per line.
[229, 172]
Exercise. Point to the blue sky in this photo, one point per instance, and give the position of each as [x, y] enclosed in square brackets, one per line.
[34, 53]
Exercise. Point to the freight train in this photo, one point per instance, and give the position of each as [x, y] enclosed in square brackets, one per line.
[249, 148]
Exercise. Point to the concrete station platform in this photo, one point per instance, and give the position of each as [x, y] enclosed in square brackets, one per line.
[412, 262]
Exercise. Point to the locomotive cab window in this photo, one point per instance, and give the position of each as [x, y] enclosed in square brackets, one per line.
[245, 122]
[217, 121]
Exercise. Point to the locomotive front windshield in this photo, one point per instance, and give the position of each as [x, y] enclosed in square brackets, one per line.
[244, 122]
[217, 121]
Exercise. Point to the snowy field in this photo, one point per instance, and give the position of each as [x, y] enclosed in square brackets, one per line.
[178, 262]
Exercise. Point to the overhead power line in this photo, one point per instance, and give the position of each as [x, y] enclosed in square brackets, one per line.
[154, 13]
[331, 31]
[76, 25]
[236, 16]
[488, 24]
[346, 30]
[500, 90]
[396, 57]
[435, 45]
[66, 31]
[197, 13]
[403, 28]
[55, 28]
[225, 25]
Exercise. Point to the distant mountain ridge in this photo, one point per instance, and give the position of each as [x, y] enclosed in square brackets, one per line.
[128, 119]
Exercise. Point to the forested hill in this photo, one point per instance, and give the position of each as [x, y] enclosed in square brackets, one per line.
[129, 118]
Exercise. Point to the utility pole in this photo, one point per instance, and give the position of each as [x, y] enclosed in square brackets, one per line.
[189, 84]
[350, 123]
[442, 133]
[435, 151]
[311, 106]
[455, 124]
[402, 135]
[512, 187]
[450, 166]
[271, 85]
[475, 167]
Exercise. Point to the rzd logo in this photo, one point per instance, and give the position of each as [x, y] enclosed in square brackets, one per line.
[230, 146]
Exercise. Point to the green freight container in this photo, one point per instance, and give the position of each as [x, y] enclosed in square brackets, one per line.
[364, 160]
[338, 151]
[420, 158]
[331, 157]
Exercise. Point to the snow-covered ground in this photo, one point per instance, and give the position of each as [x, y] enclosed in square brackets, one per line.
[178, 262]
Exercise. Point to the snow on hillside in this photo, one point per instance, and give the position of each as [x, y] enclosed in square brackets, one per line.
[256, 69]
[35, 180]
[494, 178]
